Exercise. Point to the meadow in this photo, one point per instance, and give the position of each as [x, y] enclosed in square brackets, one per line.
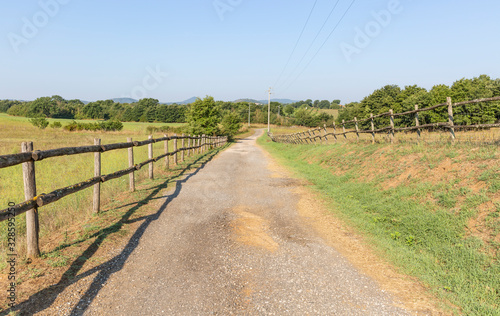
[432, 209]
[55, 173]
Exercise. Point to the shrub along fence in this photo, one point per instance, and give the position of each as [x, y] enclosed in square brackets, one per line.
[28, 157]
[310, 136]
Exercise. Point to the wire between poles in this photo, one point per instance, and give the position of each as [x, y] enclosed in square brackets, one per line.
[296, 44]
[319, 49]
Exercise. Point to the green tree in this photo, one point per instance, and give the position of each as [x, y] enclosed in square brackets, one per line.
[288, 110]
[231, 124]
[42, 106]
[93, 110]
[203, 117]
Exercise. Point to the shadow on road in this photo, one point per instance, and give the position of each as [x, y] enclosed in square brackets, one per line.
[46, 297]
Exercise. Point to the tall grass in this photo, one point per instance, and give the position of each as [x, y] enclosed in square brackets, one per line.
[421, 220]
[58, 172]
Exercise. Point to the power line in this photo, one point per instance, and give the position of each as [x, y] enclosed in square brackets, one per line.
[319, 49]
[296, 43]
[315, 38]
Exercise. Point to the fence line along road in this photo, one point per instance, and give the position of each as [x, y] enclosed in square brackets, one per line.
[310, 136]
[33, 201]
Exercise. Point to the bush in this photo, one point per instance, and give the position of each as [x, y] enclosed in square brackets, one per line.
[56, 125]
[40, 122]
[101, 126]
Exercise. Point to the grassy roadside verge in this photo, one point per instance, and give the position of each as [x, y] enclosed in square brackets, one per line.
[433, 211]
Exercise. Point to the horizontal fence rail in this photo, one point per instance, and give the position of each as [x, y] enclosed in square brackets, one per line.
[29, 157]
[37, 155]
[310, 136]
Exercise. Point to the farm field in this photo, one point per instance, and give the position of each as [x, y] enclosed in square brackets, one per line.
[335, 113]
[55, 173]
[432, 209]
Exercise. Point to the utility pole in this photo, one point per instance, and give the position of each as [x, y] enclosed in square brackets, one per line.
[269, 112]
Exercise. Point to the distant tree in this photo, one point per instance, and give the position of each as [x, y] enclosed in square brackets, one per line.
[5, 105]
[323, 104]
[288, 110]
[231, 124]
[42, 106]
[93, 110]
[204, 117]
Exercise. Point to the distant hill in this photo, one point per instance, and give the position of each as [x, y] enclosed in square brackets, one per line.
[190, 100]
[124, 100]
[283, 101]
[247, 100]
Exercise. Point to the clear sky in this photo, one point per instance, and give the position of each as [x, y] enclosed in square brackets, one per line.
[229, 49]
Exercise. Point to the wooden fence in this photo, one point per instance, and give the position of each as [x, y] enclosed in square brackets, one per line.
[28, 157]
[310, 136]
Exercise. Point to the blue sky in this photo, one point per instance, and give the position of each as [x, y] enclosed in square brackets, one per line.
[229, 49]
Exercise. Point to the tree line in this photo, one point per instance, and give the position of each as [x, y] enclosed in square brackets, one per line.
[145, 110]
[402, 100]
[305, 113]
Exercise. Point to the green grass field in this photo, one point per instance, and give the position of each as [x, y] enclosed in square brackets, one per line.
[59, 172]
[335, 113]
[434, 211]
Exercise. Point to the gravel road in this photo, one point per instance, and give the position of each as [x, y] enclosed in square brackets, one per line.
[230, 241]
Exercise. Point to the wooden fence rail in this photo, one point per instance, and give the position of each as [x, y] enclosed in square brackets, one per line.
[33, 201]
[310, 136]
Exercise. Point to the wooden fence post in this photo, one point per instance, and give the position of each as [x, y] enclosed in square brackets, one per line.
[189, 145]
[202, 148]
[417, 124]
[392, 125]
[150, 155]
[450, 119]
[357, 129]
[373, 128]
[97, 173]
[182, 144]
[326, 138]
[167, 158]
[175, 149]
[199, 145]
[32, 224]
[343, 129]
[334, 131]
[131, 179]
[193, 151]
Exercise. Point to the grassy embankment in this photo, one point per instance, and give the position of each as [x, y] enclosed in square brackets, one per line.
[433, 210]
[55, 173]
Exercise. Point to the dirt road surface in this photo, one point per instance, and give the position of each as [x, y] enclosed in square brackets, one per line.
[230, 241]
